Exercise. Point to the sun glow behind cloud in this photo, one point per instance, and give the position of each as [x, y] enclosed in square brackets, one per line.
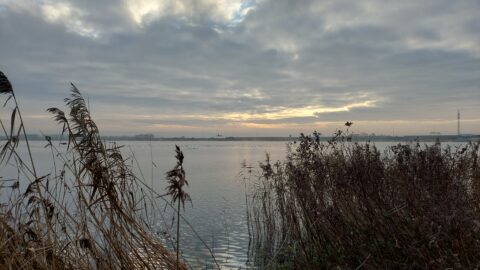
[184, 122]
[68, 15]
[307, 111]
[222, 11]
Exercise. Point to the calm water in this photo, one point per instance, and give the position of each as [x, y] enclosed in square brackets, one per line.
[217, 191]
[216, 188]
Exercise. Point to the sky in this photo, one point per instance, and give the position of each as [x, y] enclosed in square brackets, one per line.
[247, 67]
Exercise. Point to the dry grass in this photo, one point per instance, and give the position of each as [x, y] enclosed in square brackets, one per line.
[343, 204]
[90, 213]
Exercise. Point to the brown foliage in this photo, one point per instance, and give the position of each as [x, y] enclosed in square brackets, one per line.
[86, 215]
[344, 204]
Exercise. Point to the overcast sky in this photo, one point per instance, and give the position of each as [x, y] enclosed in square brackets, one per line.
[246, 67]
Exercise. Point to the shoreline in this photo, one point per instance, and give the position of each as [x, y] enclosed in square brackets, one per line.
[354, 138]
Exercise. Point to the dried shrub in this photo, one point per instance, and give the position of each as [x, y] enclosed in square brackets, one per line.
[344, 204]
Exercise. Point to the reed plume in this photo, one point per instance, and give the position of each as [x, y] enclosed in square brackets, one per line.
[89, 215]
[176, 182]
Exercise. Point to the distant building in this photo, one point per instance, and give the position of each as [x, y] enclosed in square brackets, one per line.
[144, 137]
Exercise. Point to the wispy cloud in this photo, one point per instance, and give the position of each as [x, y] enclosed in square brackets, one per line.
[307, 111]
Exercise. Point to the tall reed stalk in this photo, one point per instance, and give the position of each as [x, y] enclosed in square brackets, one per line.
[176, 183]
[90, 215]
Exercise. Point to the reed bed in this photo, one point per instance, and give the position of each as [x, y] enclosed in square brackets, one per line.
[89, 213]
[346, 205]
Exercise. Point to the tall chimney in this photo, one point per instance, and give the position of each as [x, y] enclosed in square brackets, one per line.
[458, 122]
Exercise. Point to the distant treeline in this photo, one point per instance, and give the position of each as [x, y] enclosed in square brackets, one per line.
[372, 138]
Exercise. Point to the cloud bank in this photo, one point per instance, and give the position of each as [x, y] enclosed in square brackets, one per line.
[250, 68]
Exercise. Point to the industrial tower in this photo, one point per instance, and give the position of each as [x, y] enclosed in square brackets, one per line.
[458, 122]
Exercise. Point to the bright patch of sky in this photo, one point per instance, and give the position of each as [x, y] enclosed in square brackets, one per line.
[228, 12]
[68, 15]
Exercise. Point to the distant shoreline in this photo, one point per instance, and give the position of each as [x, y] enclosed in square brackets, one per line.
[357, 138]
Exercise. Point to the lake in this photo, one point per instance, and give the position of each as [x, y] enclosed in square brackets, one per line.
[216, 188]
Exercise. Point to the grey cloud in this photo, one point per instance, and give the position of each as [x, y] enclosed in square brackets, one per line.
[284, 54]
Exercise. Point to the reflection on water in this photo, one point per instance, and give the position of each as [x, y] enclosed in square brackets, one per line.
[213, 170]
[218, 213]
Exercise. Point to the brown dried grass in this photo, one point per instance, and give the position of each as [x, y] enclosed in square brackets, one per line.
[346, 205]
[89, 214]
